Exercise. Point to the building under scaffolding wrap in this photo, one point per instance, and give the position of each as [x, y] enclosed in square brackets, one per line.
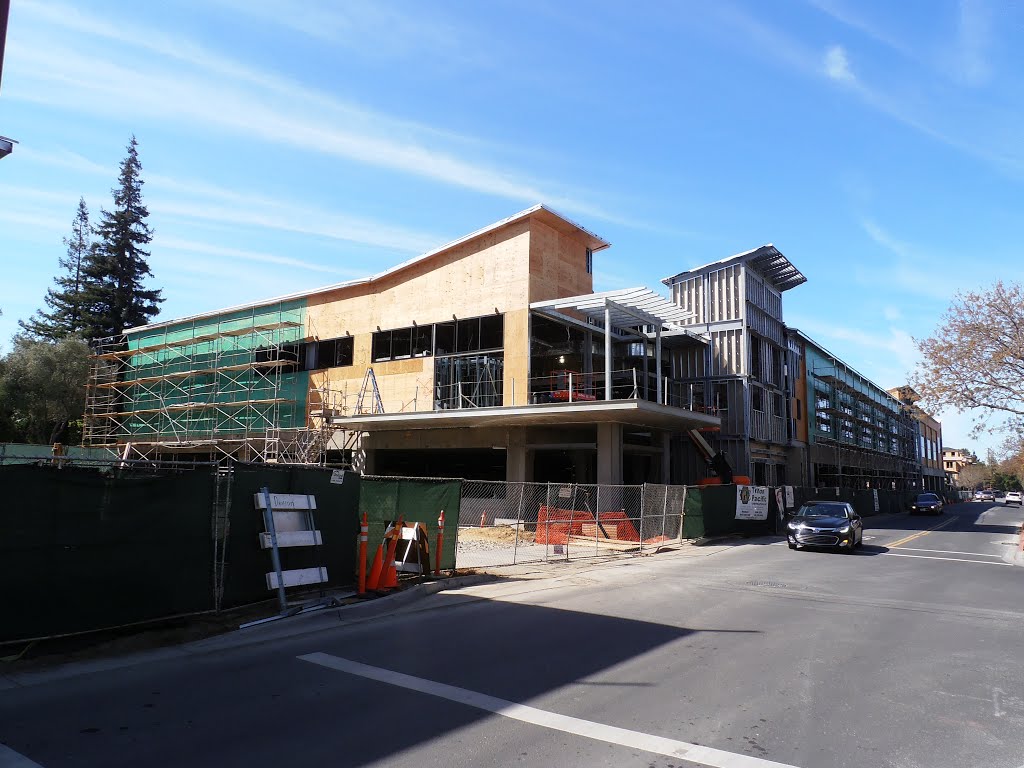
[230, 385]
[859, 435]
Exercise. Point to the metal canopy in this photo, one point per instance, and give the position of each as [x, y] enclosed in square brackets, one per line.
[625, 308]
[766, 260]
[770, 262]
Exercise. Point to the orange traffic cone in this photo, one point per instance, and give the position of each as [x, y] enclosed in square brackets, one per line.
[375, 570]
[389, 577]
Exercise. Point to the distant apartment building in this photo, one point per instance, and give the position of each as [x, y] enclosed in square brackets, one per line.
[954, 460]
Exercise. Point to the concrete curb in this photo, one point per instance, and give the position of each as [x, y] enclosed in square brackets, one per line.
[293, 626]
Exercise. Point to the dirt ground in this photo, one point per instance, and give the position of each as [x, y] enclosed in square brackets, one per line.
[499, 533]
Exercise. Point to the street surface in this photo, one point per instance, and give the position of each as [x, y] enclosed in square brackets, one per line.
[905, 654]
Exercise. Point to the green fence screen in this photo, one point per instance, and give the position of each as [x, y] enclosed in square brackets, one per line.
[383, 499]
[81, 549]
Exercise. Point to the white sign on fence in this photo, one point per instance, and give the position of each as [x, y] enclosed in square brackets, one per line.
[751, 502]
[874, 492]
[779, 504]
[338, 476]
[790, 499]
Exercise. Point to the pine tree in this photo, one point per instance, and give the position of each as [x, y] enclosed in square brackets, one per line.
[65, 300]
[114, 296]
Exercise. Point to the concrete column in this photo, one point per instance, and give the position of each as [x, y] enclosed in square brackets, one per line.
[517, 469]
[665, 440]
[609, 454]
[362, 457]
[608, 355]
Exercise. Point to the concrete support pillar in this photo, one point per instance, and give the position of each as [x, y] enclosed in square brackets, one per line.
[665, 441]
[363, 457]
[609, 454]
[518, 460]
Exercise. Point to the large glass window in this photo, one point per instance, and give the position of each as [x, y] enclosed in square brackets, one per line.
[332, 353]
[471, 381]
[474, 334]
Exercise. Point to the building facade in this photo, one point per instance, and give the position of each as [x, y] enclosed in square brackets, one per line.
[791, 412]
[857, 434]
[953, 461]
[490, 357]
[929, 440]
[736, 303]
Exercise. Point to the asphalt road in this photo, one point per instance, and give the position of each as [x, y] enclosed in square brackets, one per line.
[905, 654]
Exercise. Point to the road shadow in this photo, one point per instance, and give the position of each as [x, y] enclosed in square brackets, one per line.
[316, 716]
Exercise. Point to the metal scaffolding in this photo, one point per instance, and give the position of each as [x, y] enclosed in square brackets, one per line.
[228, 387]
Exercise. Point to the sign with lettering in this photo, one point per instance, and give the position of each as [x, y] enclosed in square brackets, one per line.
[751, 502]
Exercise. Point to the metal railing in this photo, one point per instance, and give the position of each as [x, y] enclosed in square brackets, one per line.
[513, 523]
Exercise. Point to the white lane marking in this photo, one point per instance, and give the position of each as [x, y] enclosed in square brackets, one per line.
[11, 759]
[950, 552]
[951, 559]
[707, 756]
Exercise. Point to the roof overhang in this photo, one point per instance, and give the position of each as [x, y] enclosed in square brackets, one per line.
[766, 260]
[640, 413]
[623, 308]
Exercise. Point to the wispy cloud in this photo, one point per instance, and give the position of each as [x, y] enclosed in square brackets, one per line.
[922, 271]
[974, 39]
[176, 246]
[928, 118]
[837, 65]
[377, 29]
[241, 101]
[886, 240]
[849, 18]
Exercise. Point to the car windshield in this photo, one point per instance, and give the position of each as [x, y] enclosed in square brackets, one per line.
[924, 498]
[822, 510]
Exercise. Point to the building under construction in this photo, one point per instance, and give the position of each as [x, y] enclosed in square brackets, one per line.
[492, 358]
[232, 385]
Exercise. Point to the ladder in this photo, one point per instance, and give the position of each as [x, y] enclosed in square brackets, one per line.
[376, 406]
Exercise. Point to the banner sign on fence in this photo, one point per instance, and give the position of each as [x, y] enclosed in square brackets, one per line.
[338, 476]
[751, 502]
[790, 499]
[874, 492]
[779, 504]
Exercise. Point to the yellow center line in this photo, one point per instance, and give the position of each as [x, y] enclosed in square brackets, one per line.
[917, 535]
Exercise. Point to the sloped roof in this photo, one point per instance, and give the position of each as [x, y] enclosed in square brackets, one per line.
[546, 214]
[766, 260]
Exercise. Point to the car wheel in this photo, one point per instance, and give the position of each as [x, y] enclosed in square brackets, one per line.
[792, 545]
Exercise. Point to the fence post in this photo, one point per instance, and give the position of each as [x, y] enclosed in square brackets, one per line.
[664, 511]
[643, 489]
[519, 522]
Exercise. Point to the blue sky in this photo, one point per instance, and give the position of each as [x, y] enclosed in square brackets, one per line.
[288, 144]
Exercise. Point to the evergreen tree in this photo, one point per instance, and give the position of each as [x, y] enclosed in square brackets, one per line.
[114, 297]
[65, 300]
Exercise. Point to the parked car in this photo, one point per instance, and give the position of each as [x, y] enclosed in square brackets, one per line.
[1013, 497]
[928, 503]
[832, 524]
[985, 496]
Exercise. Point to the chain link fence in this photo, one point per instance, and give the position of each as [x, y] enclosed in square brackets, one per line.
[513, 523]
